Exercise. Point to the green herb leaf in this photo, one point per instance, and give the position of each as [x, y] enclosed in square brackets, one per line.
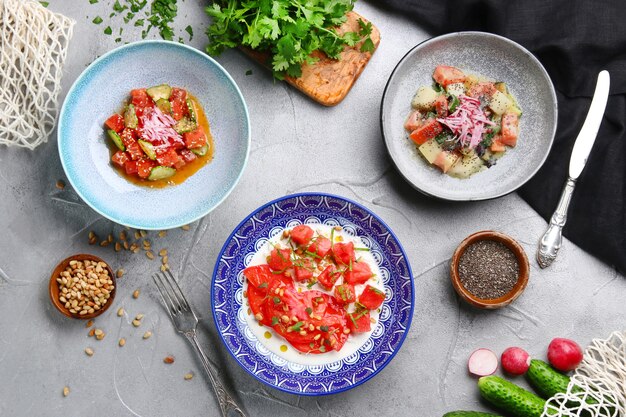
[249, 72]
[108, 30]
[324, 328]
[118, 7]
[309, 310]
[276, 300]
[263, 285]
[296, 327]
[44, 3]
[274, 321]
[93, 1]
[189, 30]
[97, 20]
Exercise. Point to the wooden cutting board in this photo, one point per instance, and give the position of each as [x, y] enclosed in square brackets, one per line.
[328, 81]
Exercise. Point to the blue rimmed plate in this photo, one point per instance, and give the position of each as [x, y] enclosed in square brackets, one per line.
[99, 92]
[311, 374]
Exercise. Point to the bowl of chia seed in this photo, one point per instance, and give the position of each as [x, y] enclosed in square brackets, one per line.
[489, 269]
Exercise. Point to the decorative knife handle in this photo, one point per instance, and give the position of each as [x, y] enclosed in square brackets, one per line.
[552, 239]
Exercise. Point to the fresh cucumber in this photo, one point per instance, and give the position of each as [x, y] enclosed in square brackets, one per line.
[201, 151]
[164, 105]
[192, 111]
[117, 140]
[160, 173]
[148, 148]
[185, 125]
[130, 117]
[545, 380]
[469, 414]
[510, 398]
[158, 92]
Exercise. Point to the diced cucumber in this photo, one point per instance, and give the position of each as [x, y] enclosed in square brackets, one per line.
[158, 92]
[160, 173]
[192, 111]
[510, 398]
[148, 148]
[130, 117]
[164, 105]
[201, 151]
[117, 140]
[185, 125]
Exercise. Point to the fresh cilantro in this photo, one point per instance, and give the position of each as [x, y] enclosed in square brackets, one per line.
[454, 104]
[438, 87]
[44, 3]
[249, 72]
[263, 285]
[324, 328]
[274, 321]
[139, 22]
[288, 30]
[118, 7]
[108, 30]
[322, 349]
[93, 1]
[97, 20]
[296, 327]
[189, 30]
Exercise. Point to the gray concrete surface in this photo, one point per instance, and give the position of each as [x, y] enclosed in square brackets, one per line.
[41, 351]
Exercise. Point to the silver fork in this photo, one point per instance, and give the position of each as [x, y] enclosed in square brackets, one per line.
[185, 322]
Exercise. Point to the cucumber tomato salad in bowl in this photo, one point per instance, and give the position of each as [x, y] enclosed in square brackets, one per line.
[468, 116]
[463, 123]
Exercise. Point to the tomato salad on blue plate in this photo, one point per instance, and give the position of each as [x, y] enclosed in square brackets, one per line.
[463, 123]
[161, 137]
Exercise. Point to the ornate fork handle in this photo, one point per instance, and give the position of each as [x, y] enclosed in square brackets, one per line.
[552, 239]
[228, 406]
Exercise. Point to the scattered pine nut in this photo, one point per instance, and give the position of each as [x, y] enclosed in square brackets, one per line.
[101, 336]
[143, 233]
[60, 184]
[150, 255]
[119, 273]
[136, 323]
[165, 267]
[118, 246]
[89, 351]
[120, 312]
[89, 324]
[122, 342]
[91, 332]
[123, 235]
[66, 391]
[186, 227]
[110, 238]
[147, 334]
[163, 252]
[139, 316]
[162, 233]
[136, 294]
[104, 243]
[137, 235]
[169, 360]
[188, 376]
[99, 332]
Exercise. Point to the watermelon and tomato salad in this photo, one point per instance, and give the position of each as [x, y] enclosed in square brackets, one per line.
[314, 290]
[463, 123]
[157, 133]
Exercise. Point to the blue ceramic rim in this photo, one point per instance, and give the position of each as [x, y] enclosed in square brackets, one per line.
[408, 264]
[139, 44]
[525, 51]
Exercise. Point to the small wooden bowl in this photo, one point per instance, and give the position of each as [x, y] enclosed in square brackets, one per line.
[54, 287]
[522, 279]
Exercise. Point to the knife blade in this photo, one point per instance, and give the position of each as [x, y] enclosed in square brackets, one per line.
[588, 133]
[552, 239]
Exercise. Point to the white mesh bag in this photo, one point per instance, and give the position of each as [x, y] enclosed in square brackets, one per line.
[33, 46]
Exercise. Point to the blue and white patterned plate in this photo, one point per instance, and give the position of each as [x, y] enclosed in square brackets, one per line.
[100, 91]
[277, 369]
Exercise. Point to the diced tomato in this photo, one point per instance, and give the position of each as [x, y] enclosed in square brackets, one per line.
[497, 145]
[144, 166]
[195, 138]
[320, 245]
[131, 167]
[134, 150]
[345, 294]
[413, 121]
[359, 274]
[168, 157]
[371, 297]
[301, 234]
[140, 98]
[344, 253]
[259, 276]
[446, 159]
[510, 129]
[428, 130]
[128, 137]
[359, 321]
[446, 75]
[115, 122]
[279, 260]
[303, 269]
[441, 106]
[178, 94]
[483, 89]
[120, 158]
[328, 277]
[187, 155]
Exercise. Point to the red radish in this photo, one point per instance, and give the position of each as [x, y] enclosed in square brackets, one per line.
[564, 354]
[515, 361]
[482, 362]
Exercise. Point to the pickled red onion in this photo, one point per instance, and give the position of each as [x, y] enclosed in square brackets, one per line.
[468, 121]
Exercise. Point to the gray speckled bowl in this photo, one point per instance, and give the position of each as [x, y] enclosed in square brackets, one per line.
[491, 56]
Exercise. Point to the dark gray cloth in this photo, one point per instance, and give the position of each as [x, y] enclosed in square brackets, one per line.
[574, 40]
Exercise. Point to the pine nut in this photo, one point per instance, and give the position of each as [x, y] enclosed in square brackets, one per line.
[188, 376]
[89, 351]
[169, 360]
[122, 342]
[66, 391]
[147, 335]
[136, 294]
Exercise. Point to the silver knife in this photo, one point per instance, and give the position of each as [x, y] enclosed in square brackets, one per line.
[551, 240]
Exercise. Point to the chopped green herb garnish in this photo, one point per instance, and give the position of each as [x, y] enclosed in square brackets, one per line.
[296, 327]
[108, 30]
[139, 22]
[454, 104]
[311, 283]
[97, 20]
[93, 1]
[324, 328]
[276, 300]
[118, 7]
[274, 321]
[189, 30]
[44, 3]
[249, 72]
[363, 249]
[263, 285]
[309, 310]
[118, 40]
[322, 348]
[356, 326]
